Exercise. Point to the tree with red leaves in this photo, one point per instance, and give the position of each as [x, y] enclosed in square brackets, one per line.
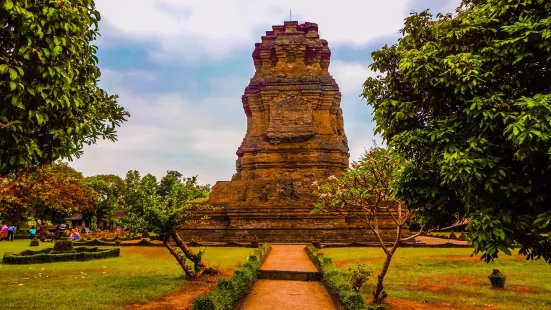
[47, 194]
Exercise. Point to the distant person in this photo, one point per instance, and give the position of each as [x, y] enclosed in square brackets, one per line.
[4, 232]
[32, 231]
[11, 232]
[76, 235]
[61, 229]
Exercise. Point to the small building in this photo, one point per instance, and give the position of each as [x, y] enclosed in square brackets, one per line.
[78, 220]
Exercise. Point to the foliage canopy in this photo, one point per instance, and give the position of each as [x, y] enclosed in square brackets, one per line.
[466, 99]
[50, 104]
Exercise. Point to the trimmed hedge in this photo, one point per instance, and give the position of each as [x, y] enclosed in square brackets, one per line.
[229, 291]
[93, 242]
[50, 256]
[63, 245]
[405, 245]
[145, 242]
[336, 281]
[232, 244]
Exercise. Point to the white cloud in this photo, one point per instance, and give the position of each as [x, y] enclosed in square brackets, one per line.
[171, 132]
[360, 137]
[350, 75]
[191, 29]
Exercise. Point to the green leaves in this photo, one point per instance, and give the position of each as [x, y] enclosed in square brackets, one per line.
[8, 5]
[13, 74]
[158, 206]
[467, 101]
[46, 46]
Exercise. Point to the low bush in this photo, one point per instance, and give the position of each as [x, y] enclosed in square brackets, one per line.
[359, 275]
[63, 245]
[229, 291]
[337, 282]
[35, 242]
[52, 256]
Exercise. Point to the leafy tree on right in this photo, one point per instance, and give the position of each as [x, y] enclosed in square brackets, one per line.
[466, 98]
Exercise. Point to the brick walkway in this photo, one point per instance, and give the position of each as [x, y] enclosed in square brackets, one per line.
[288, 294]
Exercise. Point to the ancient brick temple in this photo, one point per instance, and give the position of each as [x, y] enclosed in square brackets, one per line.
[295, 136]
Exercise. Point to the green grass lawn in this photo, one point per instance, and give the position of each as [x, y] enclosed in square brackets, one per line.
[139, 274]
[450, 275]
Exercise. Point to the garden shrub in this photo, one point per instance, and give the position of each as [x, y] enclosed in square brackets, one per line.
[359, 275]
[52, 256]
[316, 244]
[452, 235]
[229, 291]
[35, 242]
[64, 244]
[61, 252]
[336, 281]
[204, 303]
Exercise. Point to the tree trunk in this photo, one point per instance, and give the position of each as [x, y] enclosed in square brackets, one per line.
[379, 294]
[189, 254]
[181, 261]
[17, 220]
[42, 225]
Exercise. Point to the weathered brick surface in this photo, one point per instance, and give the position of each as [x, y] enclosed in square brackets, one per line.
[295, 136]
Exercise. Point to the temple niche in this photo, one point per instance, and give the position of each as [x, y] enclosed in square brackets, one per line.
[295, 136]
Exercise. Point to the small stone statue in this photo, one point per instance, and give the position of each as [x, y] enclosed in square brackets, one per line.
[497, 279]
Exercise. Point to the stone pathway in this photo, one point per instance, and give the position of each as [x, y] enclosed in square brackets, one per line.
[440, 241]
[288, 262]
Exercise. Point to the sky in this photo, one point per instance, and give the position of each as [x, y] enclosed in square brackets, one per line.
[180, 68]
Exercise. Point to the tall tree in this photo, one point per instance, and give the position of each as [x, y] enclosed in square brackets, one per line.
[47, 194]
[109, 191]
[162, 207]
[50, 104]
[466, 98]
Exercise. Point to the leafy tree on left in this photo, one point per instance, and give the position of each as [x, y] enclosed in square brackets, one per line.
[50, 103]
[48, 194]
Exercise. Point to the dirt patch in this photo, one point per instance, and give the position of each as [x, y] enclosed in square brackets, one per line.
[473, 259]
[398, 304]
[522, 289]
[439, 241]
[340, 263]
[184, 297]
[443, 285]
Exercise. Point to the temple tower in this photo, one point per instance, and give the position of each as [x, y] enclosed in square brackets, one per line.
[295, 136]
